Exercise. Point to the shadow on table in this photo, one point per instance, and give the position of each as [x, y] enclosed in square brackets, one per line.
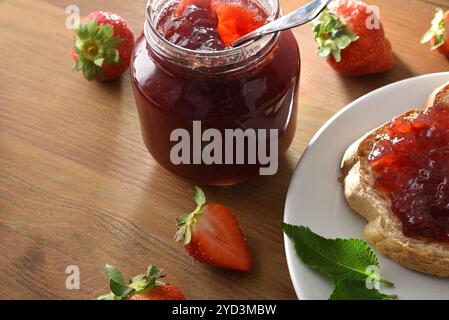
[268, 191]
[359, 86]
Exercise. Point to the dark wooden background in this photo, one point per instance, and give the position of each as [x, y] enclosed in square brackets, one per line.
[77, 186]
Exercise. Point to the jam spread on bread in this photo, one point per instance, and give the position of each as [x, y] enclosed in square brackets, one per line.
[210, 25]
[410, 164]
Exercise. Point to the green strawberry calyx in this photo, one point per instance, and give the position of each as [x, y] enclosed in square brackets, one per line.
[95, 46]
[436, 31]
[120, 290]
[185, 222]
[332, 35]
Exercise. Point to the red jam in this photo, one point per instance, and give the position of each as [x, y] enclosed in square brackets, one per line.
[411, 167]
[209, 24]
[257, 92]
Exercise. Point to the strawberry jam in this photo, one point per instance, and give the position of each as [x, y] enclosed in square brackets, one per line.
[183, 73]
[209, 24]
[411, 167]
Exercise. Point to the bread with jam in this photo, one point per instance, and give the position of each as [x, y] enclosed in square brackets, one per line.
[397, 178]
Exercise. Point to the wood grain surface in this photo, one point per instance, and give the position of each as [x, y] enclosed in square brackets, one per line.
[77, 186]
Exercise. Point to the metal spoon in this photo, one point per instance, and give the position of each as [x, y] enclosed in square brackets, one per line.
[295, 19]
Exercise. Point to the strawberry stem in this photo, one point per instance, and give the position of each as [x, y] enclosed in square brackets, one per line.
[436, 31]
[332, 35]
[94, 47]
[120, 290]
[185, 222]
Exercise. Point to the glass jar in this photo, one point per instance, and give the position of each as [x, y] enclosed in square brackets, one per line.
[254, 86]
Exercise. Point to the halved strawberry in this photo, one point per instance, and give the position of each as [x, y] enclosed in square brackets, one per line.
[142, 287]
[438, 34]
[213, 236]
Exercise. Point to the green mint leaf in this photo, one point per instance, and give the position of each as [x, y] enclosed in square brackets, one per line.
[357, 290]
[350, 264]
[338, 259]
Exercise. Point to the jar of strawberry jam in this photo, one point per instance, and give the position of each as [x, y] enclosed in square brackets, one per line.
[199, 99]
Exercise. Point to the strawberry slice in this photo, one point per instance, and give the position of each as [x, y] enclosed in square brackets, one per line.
[213, 236]
[236, 20]
[142, 287]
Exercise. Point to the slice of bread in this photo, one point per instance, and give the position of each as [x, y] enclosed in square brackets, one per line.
[384, 229]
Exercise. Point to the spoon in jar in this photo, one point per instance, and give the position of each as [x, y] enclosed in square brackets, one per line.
[297, 18]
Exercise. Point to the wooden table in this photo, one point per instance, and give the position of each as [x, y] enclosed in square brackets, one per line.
[77, 186]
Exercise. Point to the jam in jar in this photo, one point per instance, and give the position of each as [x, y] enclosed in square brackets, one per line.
[184, 73]
[411, 167]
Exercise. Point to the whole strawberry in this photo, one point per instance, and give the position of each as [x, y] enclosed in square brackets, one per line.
[213, 236]
[438, 35]
[103, 46]
[142, 287]
[351, 37]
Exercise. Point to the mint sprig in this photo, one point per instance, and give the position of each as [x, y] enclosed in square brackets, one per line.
[348, 263]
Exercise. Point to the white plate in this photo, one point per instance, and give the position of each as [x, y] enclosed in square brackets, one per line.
[315, 197]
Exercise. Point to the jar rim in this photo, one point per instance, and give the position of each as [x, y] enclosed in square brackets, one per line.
[203, 58]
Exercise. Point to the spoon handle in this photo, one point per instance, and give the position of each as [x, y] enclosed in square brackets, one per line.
[296, 18]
